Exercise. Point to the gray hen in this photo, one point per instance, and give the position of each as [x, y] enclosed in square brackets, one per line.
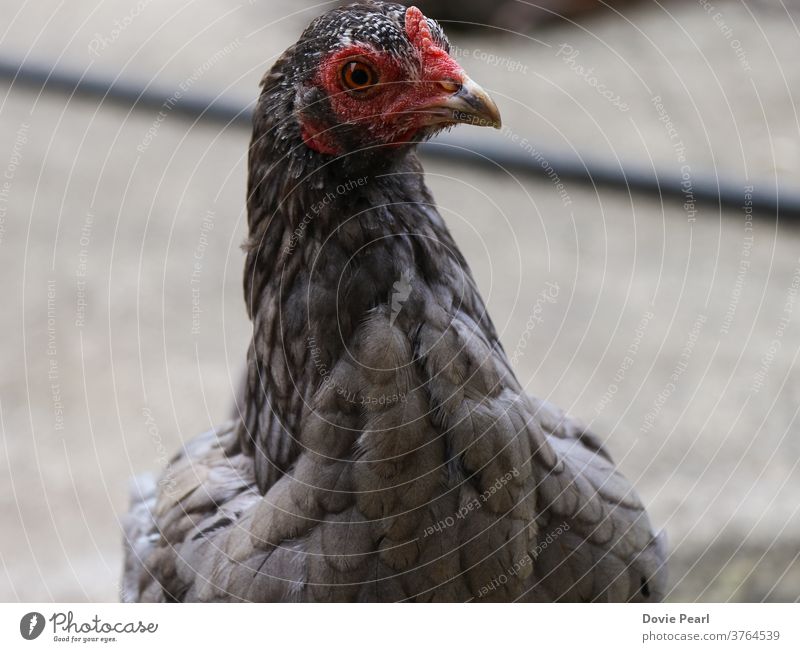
[386, 450]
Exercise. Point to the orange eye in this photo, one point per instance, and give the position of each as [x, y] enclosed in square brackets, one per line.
[358, 76]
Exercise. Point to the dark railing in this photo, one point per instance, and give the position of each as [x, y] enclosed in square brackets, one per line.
[768, 199]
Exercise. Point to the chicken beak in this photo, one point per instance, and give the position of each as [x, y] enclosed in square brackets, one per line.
[467, 104]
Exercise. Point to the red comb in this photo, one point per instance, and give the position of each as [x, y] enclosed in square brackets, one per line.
[420, 34]
[435, 61]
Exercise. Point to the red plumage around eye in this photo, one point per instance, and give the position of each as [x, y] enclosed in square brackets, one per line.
[358, 76]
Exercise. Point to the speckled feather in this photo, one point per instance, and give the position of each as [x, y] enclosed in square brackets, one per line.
[385, 450]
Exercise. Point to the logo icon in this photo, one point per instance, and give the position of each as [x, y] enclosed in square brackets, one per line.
[31, 625]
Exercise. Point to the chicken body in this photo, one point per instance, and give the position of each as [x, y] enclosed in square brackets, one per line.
[385, 450]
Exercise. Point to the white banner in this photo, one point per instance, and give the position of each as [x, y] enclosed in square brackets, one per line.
[398, 628]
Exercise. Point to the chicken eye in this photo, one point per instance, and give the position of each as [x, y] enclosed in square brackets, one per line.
[358, 76]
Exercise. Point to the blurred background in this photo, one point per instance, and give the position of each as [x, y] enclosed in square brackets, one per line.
[672, 323]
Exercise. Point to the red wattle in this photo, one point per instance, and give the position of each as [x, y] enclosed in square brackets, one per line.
[317, 139]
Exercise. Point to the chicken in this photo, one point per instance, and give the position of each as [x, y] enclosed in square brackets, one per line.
[385, 449]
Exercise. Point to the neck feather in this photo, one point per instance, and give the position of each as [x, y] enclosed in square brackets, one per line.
[331, 243]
